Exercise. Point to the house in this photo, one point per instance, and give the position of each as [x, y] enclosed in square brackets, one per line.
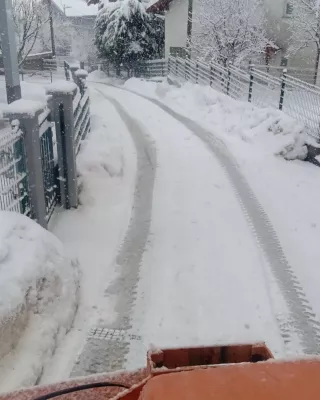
[73, 25]
[278, 13]
[178, 27]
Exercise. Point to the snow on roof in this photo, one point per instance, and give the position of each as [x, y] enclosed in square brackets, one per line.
[76, 8]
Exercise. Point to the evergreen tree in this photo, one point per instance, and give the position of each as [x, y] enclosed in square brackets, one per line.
[125, 33]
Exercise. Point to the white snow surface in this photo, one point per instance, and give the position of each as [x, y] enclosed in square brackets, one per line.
[38, 298]
[94, 232]
[81, 73]
[202, 278]
[29, 91]
[287, 190]
[61, 87]
[22, 106]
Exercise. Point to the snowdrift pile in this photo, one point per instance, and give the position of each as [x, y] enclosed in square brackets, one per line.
[270, 129]
[38, 298]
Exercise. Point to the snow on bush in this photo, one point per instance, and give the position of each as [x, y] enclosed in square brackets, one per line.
[270, 129]
[124, 33]
[38, 298]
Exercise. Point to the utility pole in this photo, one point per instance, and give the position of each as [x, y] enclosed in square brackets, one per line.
[9, 51]
[64, 8]
[189, 28]
[53, 47]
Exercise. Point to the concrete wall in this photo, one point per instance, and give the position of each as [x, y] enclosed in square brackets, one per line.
[176, 25]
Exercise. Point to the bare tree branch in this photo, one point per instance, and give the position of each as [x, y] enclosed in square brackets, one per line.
[229, 30]
[29, 17]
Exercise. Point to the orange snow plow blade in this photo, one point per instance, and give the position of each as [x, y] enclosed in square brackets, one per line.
[241, 372]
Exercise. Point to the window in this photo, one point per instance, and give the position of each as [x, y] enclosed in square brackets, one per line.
[289, 9]
[284, 62]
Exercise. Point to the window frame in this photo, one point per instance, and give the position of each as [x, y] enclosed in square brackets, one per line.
[288, 6]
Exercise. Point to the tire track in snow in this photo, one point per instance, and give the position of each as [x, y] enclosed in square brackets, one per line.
[302, 320]
[130, 255]
[106, 347]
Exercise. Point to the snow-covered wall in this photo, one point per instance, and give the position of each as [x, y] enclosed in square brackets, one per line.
[176, 25]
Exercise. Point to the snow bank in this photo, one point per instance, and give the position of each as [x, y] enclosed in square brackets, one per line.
[96, 76]
[95, 230]
[267, 128]
[100, 76]
[38, 298]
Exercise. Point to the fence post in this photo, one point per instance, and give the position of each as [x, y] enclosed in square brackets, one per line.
[65, 66]
[283, 87]
[176, 66]
[169, 65]
[80, 79]
[185, 70]
[29, 124]
[73, 69]
[229, 78]
[250, 83]
[62, 104]
[197, 71]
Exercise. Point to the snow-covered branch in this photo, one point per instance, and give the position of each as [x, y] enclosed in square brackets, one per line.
[125, 33]
[229, 30]
[304, 24]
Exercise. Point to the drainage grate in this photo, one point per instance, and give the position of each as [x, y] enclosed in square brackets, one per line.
[118, 335]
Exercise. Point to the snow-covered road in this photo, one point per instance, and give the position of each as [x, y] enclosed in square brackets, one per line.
[200, 262]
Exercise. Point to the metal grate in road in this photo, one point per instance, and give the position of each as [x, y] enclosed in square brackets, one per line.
[119, 335]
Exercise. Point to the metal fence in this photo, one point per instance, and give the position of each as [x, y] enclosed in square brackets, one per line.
[38, 150]
[81, 119]
[81, 103]
[295, 97]
[304, 74]
[14, 186]
[153, 68]
[146, 69]
[49, 162]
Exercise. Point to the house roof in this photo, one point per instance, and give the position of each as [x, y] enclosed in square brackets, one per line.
[76, 8]
[158, 6]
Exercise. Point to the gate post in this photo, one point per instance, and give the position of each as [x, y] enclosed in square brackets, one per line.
[283, 88]
[250, 83]
[229, 77]
[28, 113]
[62, 110]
